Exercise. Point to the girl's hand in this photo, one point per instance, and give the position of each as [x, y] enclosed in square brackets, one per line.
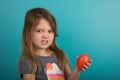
[83, 62]
[86, 66]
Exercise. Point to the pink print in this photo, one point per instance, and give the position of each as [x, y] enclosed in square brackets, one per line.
[49, 66]
[56, 75]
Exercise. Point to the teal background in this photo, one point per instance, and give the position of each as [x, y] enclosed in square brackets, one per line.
[84, 26]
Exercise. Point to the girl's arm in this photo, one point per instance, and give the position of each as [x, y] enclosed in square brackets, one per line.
[71, 75]
[76, 72]
[28, 77]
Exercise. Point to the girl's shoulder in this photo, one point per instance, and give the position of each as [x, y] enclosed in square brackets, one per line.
[25, 61]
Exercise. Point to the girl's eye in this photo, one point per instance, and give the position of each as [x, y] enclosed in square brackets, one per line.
[50, 31]
[38, 30]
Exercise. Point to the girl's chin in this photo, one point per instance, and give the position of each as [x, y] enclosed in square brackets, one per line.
[43, 47]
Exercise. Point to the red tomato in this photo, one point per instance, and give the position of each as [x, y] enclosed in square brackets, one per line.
[82, 60]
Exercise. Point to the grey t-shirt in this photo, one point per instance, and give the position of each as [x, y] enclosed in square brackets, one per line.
[48, 70]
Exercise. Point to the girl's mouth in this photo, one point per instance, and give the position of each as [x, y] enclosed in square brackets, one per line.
[44, 42]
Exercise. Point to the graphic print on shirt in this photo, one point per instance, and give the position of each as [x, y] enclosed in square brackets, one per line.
[53, 72]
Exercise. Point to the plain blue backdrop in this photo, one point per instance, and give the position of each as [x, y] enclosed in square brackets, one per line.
[84, 26]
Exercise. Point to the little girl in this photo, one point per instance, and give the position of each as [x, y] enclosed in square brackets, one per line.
[41, 59]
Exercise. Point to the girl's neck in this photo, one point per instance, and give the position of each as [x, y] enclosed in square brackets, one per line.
[43, 52]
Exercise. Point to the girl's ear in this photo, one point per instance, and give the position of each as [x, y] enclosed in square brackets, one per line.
[56, 35]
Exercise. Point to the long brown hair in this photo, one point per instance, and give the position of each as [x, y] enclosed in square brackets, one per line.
[31, 20]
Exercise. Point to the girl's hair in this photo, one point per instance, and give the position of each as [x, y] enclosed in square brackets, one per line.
[31, 21]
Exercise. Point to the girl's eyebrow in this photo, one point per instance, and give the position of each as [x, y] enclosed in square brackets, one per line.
[42, 28]
[38, 28]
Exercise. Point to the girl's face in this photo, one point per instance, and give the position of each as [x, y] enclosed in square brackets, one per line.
[43, 35]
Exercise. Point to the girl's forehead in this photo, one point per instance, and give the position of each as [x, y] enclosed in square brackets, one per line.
[43, 24]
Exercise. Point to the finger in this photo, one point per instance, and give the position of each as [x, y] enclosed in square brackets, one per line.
[88, 64]
[83, 69]
[85, 66]
[77, 57]
[90, 60]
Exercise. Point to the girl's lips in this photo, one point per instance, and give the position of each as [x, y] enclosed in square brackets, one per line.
[44, 42]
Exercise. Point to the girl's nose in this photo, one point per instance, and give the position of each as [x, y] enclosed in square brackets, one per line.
[45, 35]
